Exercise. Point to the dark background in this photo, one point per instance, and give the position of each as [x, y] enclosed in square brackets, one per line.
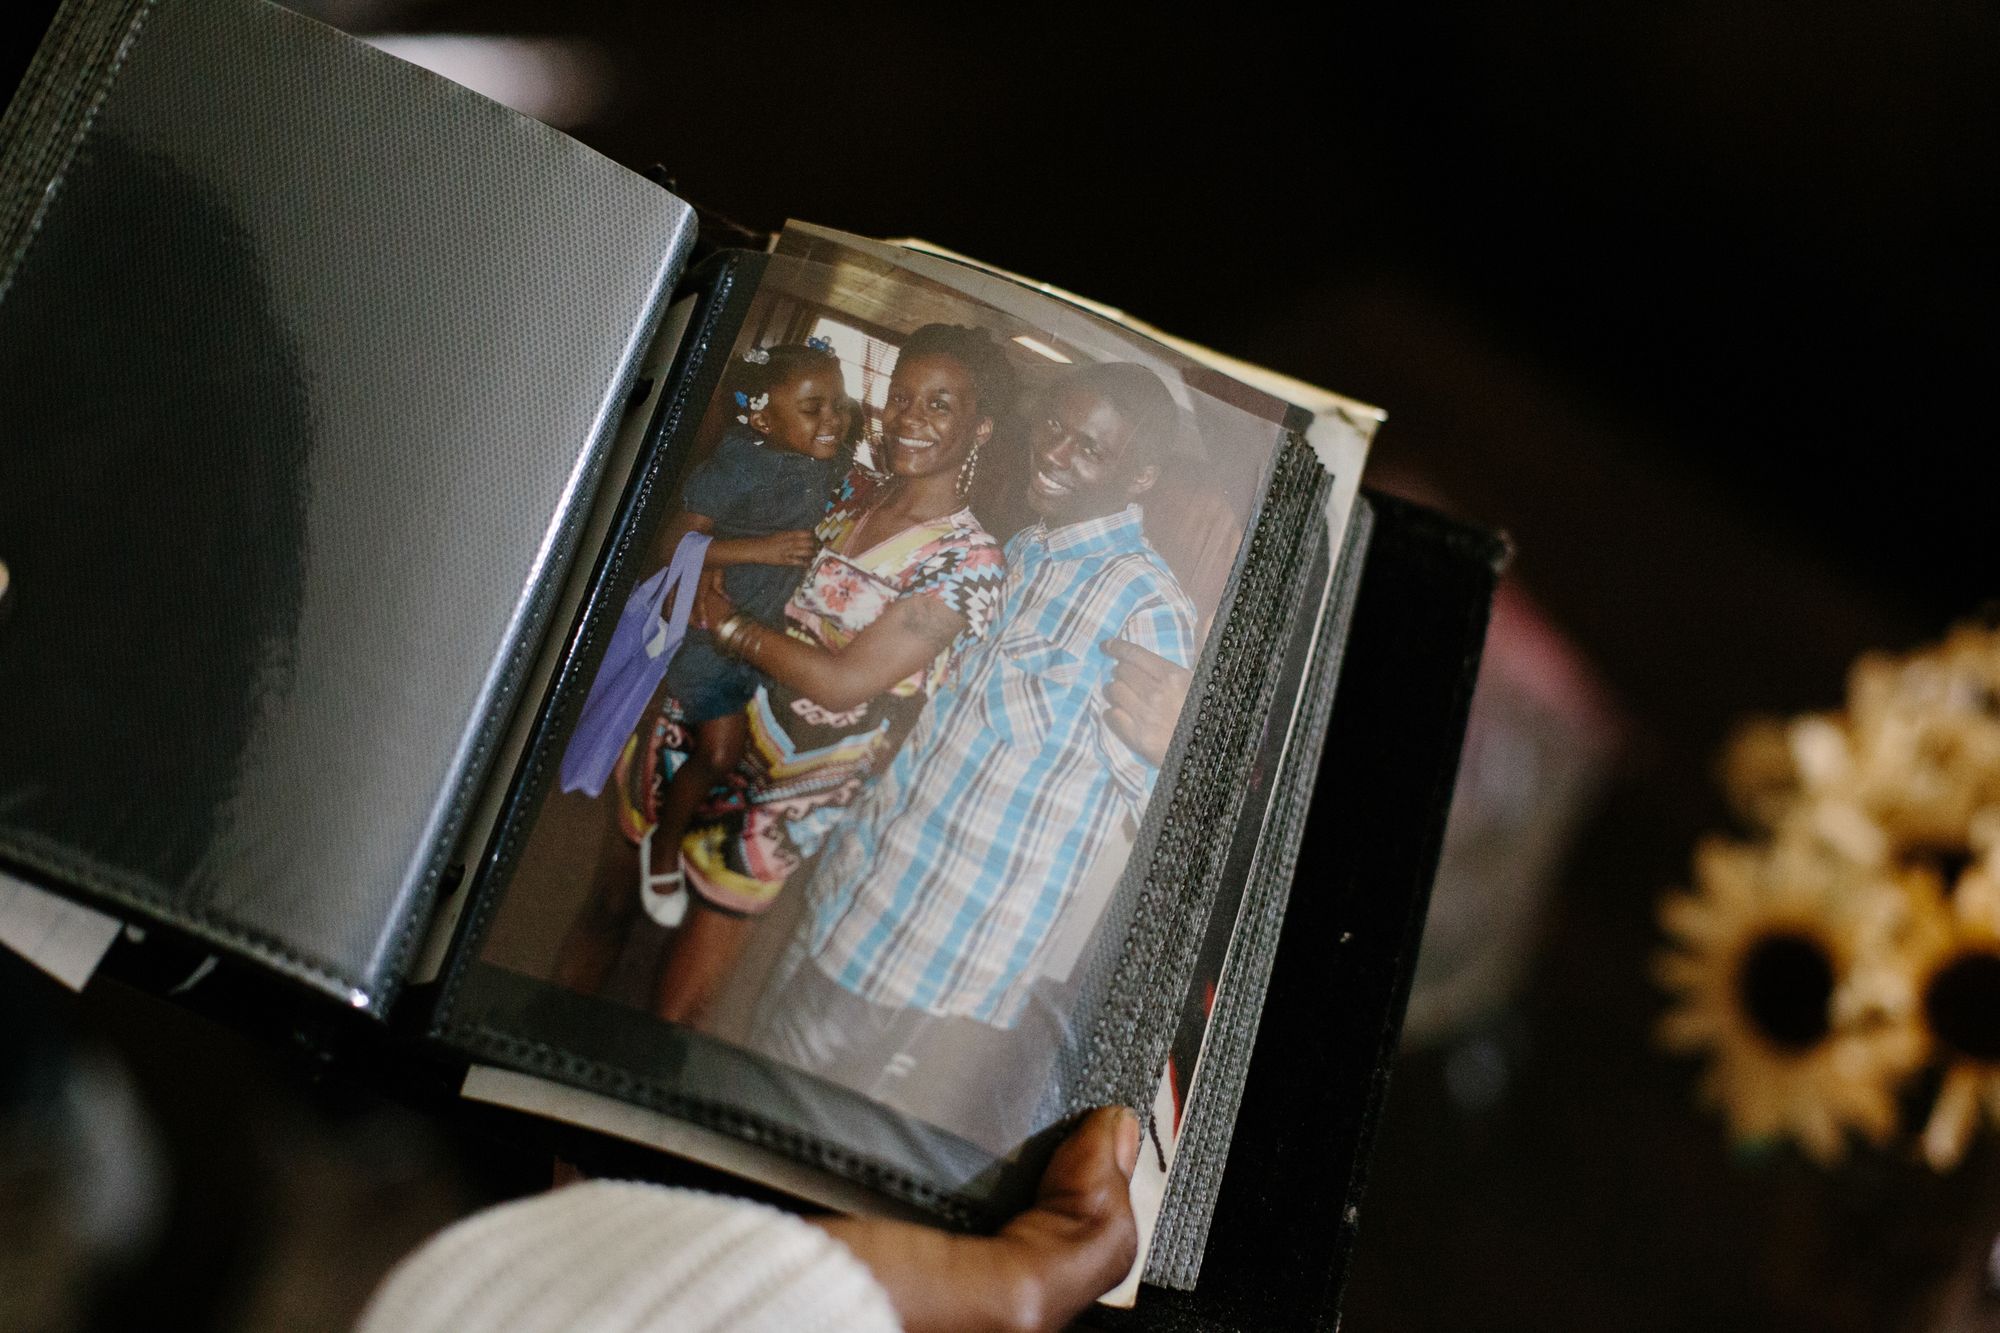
[1696, 301]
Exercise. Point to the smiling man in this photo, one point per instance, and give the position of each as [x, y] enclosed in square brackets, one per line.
[938, 893]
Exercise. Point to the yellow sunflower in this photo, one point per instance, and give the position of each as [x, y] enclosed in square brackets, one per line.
[1765, 963]
[1952, 959]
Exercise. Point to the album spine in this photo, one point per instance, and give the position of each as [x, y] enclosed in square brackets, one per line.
[70, 76]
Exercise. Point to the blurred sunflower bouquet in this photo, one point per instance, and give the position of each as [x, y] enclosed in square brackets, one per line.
[1840, 969]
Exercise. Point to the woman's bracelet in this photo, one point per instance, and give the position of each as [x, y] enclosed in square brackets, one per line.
[731, 633]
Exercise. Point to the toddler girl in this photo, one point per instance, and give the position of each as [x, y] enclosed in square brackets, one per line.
[757, 497]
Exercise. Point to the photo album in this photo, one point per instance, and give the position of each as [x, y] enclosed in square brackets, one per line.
[831, 711]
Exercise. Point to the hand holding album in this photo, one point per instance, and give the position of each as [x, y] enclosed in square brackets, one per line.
[1042, 1268]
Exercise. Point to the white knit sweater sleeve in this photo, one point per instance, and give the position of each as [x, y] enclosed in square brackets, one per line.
[621, 1257]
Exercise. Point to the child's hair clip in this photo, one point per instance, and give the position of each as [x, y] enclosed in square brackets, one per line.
[820, 345]
[757, 356]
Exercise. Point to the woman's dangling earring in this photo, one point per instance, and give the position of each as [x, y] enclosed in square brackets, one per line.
[966, 471]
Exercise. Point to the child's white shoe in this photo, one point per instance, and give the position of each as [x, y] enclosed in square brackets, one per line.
[663, 895]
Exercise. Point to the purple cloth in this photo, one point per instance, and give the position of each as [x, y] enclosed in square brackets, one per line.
[641, 646]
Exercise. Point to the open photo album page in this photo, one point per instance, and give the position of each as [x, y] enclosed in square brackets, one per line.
[851, 775]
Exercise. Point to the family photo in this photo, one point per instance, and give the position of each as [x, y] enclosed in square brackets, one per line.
[867, 748]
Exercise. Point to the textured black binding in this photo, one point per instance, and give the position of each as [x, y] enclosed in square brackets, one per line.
[1290, 1201]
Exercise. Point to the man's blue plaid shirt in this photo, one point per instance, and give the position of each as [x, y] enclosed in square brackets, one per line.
[939, 888]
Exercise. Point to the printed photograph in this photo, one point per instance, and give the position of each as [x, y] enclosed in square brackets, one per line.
[864, 755]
